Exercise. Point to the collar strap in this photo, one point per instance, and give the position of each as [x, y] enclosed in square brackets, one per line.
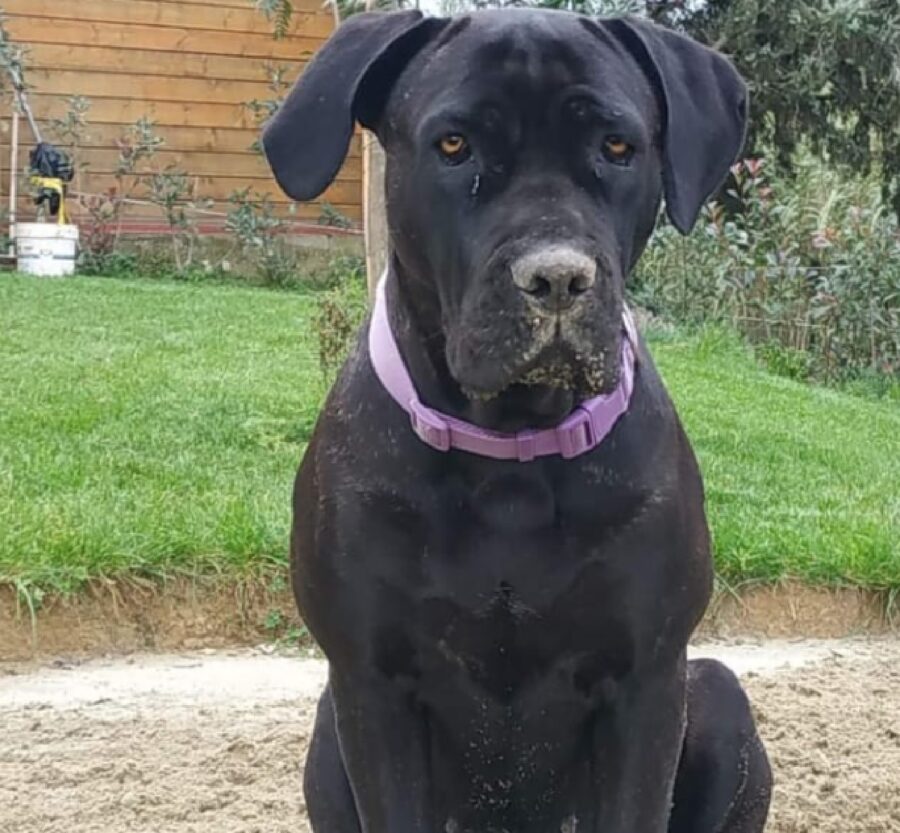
[584, 429]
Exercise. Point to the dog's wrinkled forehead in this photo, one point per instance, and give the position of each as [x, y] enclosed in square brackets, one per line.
[523, 61]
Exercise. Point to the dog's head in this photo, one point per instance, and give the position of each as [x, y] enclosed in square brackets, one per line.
[527, 154]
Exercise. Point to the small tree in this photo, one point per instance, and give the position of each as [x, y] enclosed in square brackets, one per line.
[822, 73]
[279, 12]
[12, 59]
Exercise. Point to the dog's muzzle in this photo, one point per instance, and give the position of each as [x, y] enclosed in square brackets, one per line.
[583, 430]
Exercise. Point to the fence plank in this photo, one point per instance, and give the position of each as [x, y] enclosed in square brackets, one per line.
[341, 192]
[26, 29]
[145, 87]
[231, 165]
[307, 212]
[180, 138]
[300, 5]
[54, 56]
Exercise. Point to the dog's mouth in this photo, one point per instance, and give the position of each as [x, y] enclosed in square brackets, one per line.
[537, 361]
[557, 370]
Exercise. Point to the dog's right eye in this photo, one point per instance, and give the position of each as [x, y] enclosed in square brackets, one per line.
[454, 148]
[617, 150]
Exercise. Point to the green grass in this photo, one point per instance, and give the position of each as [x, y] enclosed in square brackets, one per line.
[153, 429]
[148, 428]
[801, 481]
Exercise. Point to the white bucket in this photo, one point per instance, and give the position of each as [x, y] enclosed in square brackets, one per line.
[46, 249]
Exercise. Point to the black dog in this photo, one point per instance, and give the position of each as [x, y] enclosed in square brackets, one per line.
[507, 640]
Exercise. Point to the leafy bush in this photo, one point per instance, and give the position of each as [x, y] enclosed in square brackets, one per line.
[108, 264]
[172, 192]
[331, 216]
[261, 110]
[153, 259]
[339, 315]
[809, 270]
[70, 133]
[259, 233]
[785, 361]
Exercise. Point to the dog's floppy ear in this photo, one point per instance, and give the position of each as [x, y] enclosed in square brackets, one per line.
[307, 139]
[704, 113]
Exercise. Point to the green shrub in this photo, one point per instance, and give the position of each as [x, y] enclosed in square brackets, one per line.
[811, 267]
[260, 236]
[107, 264]
[340, 313]
[785, 361]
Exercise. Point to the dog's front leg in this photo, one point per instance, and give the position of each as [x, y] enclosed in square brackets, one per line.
[383, 740]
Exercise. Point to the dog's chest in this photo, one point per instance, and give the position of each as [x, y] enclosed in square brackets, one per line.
[514, 505]
[509, 587]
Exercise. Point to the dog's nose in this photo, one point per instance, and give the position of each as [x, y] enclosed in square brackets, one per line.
[554, 277]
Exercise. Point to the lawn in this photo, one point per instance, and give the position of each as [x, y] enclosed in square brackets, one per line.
[148, 427]
[153, 429]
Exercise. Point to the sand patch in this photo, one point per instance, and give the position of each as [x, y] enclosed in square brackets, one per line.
[215, 740]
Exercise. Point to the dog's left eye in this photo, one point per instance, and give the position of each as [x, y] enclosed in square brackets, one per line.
[617, 150]
[454, 148]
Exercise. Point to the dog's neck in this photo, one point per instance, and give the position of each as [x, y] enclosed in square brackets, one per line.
[415, 320]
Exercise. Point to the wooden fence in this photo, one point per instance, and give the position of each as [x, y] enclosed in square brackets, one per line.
[188, 65]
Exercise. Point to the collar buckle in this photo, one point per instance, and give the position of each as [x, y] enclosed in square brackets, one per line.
[526, 446]
[428, 426]
[575, 435]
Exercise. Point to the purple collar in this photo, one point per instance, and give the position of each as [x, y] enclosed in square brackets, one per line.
[584, 429]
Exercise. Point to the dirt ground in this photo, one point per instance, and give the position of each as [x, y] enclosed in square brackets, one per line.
[130, 616]
[214, 740]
